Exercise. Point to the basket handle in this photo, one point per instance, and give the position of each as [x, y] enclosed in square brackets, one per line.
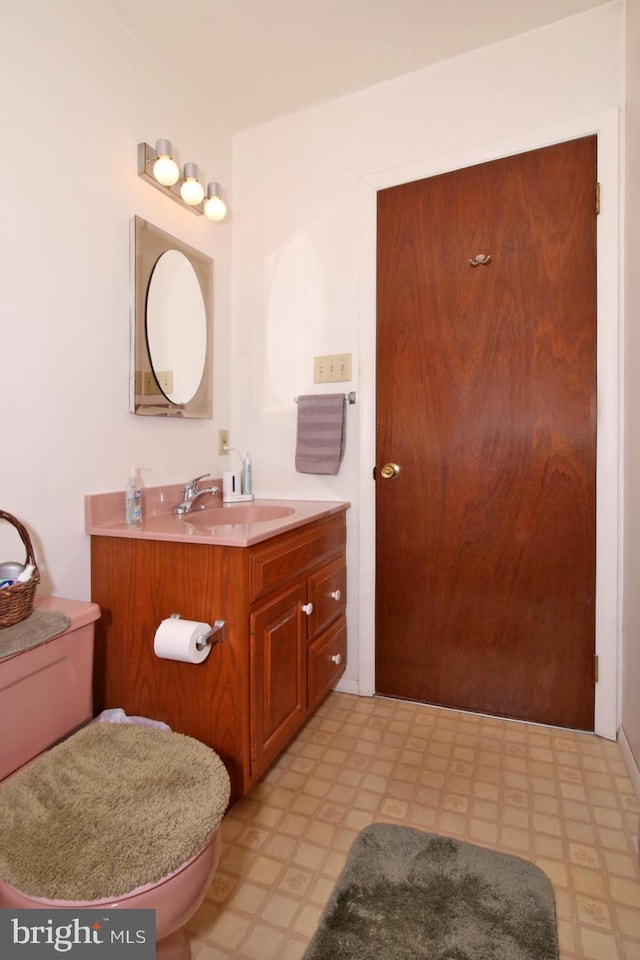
[24, 535]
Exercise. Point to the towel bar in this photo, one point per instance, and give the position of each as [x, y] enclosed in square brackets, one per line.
[349, 397]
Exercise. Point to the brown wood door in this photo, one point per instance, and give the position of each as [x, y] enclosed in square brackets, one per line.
[486, 400]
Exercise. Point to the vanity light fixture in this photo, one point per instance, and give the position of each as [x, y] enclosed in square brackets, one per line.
[157, 167]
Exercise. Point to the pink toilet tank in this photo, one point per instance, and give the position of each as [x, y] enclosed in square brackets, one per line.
[46, 691]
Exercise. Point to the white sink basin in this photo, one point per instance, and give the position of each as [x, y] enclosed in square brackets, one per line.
[236, 513]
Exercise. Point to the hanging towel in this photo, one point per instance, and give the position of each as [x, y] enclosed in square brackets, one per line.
[321, 433]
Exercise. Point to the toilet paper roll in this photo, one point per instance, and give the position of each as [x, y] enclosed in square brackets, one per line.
[176, 639]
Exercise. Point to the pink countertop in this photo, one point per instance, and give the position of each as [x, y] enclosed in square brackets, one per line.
[104, 517]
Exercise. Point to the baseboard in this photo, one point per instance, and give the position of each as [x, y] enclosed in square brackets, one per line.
[347, 686]
[630, 761]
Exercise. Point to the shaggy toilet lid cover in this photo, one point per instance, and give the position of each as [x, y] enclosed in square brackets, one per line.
[112, 808]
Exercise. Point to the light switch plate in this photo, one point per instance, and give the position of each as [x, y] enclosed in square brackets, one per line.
[332, 368]
[162, 382]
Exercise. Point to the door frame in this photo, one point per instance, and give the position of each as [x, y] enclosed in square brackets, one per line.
[609, 378]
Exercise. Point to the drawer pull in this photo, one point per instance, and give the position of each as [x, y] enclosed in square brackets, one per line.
[336, 595]
[337, 658]
[307, 608]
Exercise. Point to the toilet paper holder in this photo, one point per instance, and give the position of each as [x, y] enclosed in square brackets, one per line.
[216, 634]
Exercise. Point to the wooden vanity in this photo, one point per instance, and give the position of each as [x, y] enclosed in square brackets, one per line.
[283, 599]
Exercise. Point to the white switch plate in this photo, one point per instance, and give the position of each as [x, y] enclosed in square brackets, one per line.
[332, 368]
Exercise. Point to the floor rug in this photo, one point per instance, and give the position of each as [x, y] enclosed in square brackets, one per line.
[408, 895]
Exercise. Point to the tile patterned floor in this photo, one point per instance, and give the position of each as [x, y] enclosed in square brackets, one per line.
[561, 799]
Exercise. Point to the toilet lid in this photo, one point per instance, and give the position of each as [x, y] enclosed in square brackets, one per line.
[112, 808]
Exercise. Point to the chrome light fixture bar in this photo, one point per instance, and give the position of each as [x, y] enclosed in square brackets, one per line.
[157, 167]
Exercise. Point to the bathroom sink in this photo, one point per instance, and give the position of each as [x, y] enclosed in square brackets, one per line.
[239, 524]
[237, 513]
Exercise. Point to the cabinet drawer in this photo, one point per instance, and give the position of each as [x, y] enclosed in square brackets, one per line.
[327, 661]
[294, 554]
[328, 594]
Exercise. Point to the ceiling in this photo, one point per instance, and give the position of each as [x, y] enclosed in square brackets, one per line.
[255, 60]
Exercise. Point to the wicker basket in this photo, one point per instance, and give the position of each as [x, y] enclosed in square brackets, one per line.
[16, 601]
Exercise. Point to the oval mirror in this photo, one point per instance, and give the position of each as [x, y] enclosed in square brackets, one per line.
[171, 330]
[176, 327]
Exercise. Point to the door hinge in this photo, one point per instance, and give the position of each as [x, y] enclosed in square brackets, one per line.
[597, 199]
[595, 668]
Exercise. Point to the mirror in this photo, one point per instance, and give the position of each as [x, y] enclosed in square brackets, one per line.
[172, 326]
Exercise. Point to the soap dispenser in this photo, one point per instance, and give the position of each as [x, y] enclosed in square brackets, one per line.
[133, 499]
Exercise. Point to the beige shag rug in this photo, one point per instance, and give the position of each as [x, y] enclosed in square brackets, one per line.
[114, 807]
[37, 628]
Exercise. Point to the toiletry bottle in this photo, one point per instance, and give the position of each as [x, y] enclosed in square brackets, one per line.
[133, 499]
[246, 476]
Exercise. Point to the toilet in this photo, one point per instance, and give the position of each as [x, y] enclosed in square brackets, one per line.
[45, 691]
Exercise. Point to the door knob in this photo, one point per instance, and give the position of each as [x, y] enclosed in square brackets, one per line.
[307, 608]
[390, 471]
[336, 658]
[336, 595]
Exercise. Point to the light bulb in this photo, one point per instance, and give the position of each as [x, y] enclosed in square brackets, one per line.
[165, 170]
[215, 209]
[214, 206]
[191, 191]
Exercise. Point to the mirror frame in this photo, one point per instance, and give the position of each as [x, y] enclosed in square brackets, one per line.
[148, 243]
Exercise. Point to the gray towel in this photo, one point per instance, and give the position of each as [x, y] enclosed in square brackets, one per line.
[321, 433]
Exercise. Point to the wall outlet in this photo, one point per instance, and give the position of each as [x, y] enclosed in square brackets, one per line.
[223, 443]
[333, 368]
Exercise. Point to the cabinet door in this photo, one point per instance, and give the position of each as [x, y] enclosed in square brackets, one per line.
[328, 595]
[278, 675]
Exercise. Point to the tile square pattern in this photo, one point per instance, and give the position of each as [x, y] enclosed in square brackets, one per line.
[558, 798]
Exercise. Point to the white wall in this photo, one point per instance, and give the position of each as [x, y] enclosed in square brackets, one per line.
[631, 610]
[77, 93]
[302, 264]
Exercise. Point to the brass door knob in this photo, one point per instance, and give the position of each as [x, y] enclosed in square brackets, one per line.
[390, 471]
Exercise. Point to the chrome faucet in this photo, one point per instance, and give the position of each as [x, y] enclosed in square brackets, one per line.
[191, 494]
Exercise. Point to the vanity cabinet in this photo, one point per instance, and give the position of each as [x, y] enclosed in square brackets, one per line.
[283, 601]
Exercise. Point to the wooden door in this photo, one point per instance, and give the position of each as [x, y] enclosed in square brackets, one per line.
[486, 401]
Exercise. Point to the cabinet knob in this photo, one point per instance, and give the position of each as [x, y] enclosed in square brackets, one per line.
[336, 594]
[337, 658]
[307, 608]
